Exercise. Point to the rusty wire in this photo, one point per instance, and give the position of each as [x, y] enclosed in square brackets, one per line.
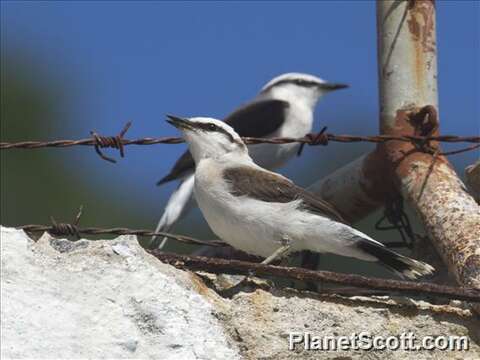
[321, 138]
[72, 229]
[228, 266]
[66, 229]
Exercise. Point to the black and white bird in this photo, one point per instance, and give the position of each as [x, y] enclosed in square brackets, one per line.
[265, 214]
[283, 108]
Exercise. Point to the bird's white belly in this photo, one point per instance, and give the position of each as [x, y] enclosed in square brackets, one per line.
[241, 230]
[262, 228]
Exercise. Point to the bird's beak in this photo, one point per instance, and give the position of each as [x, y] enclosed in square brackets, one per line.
[180, 123]
[332, 86]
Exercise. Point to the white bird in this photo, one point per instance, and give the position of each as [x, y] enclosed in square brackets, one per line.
[283, 108]
[265, 214]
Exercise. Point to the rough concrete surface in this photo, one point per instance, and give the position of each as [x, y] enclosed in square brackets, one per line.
[110, 299]
[100, 299]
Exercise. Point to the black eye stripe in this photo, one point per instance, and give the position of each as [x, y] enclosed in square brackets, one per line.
[212, 127]
[299, 82]
[305, 83]
[208, 127]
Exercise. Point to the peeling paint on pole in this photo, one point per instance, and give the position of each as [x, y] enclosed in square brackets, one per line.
[408, 82]
[421, 23]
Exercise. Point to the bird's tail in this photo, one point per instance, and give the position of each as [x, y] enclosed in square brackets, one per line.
[402, 265]
[178, 205]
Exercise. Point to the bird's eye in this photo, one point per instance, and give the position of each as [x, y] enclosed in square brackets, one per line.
[212, 127]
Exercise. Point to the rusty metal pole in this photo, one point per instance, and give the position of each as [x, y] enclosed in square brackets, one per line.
[408, 83]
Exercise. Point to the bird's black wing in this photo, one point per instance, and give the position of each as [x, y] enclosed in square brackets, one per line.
[256, 119]
[270, 187]
[259, 118]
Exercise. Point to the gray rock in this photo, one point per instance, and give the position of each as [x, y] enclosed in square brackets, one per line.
[109, 299]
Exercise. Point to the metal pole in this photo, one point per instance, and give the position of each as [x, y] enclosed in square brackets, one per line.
[407, 70]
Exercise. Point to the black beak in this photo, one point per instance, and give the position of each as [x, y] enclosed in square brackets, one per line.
[179, 123]
[333, 86]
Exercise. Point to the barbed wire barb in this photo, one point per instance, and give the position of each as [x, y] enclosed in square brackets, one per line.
[59, 229]
[115, 142]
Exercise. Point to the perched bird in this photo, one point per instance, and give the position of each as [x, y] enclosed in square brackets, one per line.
[265, 214]
[283, 108]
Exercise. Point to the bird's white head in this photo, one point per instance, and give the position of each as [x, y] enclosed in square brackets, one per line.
[299, 88]
[209, 138]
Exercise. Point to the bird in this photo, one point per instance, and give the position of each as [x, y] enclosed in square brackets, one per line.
[283, 108]
[264, 213]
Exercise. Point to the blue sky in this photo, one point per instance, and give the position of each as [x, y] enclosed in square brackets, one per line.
[137, 61]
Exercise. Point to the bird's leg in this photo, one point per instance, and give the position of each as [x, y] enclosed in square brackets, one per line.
[285, 247]
[277, 254]
[280, 252]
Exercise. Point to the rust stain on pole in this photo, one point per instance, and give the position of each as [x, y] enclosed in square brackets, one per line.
[421, 23]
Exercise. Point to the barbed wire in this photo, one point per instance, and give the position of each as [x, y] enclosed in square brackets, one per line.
[321, 138]
[308, 139]
[230, 266]
[65, 229]
[72, 229]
